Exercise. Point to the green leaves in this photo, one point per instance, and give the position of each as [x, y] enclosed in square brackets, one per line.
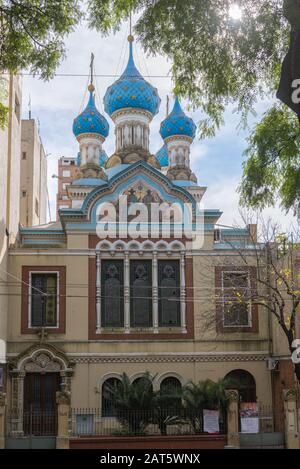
[272, 168]
[33, 32]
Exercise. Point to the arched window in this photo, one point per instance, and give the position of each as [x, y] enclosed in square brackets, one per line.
[171, 387]
[244, 383]
[108, 387]
[142, 380]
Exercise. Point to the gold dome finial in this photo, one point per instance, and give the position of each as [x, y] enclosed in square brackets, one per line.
[130, 38]
[91, 87]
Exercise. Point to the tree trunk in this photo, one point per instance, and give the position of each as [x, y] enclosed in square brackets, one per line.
[291, 65]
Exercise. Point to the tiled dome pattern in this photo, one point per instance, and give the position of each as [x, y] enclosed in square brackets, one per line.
[162, 156]
[131, 91]
[90, 120]
[177, 123]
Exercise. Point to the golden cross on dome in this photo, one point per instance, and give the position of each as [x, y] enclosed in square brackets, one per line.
[130, 37]
[91, 86]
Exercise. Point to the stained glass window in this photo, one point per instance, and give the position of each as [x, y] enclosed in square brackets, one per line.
[169, 293]
[141, 293]
[112, 293]
[44, 300]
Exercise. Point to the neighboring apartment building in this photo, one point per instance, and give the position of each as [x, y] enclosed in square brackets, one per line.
[33, 190]
[67, 170]
[10, 149]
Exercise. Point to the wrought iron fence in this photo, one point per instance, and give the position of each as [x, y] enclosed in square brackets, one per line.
[91, 422]
[268, 419]
[32, 422]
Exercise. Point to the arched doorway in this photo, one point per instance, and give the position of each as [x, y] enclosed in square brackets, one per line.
[39, 373]
[244, 383]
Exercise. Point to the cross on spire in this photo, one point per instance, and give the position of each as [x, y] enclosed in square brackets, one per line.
[92, 67]
[91, 85]
[130, 37]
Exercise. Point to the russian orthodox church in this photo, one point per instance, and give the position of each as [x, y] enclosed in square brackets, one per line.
[130, 304]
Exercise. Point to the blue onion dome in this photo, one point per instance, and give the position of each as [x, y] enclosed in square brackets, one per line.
[103, 158]
[131, 90]
[90, 121]
[162, 156]
[177, 123]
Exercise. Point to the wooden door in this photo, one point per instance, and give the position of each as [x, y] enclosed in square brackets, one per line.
[40, 417]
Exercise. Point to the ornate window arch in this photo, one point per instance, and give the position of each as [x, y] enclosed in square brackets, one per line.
[243, 381]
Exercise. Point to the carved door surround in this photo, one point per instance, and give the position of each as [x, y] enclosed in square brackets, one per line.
[40, 358]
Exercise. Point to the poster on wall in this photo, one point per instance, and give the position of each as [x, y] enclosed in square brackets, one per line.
[249, 417]
[211, 421]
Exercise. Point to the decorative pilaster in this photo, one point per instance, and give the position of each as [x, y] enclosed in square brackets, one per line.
[182, 294]
[127, 293]
[155, 293]
[63, 401]
[17, 389]
[291, 419]
[233, 437]
[98, 292]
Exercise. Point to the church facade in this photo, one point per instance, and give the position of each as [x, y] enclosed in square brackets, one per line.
[109, 289]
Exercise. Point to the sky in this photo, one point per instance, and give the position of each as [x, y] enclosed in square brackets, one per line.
[217, 162]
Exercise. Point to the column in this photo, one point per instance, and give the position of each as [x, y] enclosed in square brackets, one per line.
[63, 401]
[182, 294]
[291, 419]
[155, 293]
[233, 437]
[16, 412]
[98, 292]
[127, 293]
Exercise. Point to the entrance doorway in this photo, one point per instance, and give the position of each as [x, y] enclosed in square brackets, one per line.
[40, 415]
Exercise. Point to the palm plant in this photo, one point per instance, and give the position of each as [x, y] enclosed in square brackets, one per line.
[203, 395]
[137, 405]
[133, 402]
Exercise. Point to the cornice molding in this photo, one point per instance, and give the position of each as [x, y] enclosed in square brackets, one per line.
[189, 358]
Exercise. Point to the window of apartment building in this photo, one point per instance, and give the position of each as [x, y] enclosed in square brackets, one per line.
[24, 193]
[66, 174]
[64, 186]
[141, 293]
[236, 299]
[65, 197]
[24, 155]
[169, 293]
[43, 299]
[36, 207]
[112, 293]
[17, 108]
